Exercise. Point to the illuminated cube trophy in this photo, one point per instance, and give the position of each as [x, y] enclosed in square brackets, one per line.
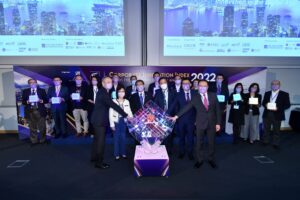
[150, 126]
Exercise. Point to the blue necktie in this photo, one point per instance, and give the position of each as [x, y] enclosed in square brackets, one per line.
[142, 100]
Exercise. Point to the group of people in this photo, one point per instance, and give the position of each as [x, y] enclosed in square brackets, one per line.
[197, 107]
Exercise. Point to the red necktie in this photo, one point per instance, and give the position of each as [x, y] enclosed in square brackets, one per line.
[205, 102]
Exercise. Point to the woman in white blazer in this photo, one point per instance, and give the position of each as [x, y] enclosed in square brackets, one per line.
[118, 124]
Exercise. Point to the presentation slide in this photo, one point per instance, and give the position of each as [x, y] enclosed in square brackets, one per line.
[62, 28]
[232, 28]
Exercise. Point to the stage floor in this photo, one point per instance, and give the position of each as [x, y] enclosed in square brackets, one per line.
[61, 171]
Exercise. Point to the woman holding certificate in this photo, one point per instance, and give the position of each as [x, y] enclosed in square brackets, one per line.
[237, 111]
[252, 105]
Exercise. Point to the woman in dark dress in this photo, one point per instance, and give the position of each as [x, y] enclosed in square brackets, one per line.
[237, 111]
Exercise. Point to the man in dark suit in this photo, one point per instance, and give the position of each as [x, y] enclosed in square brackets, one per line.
[130, 90]
[186, 122]
[220, 87]
[116, 84]
[34, 99]
[139, 99]
[275, 103]
[208, 121]
[164, 98]
[177, 84]
[58, 95]
[155, 85]
[100, 121]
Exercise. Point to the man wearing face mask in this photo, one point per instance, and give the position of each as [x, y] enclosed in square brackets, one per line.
[163, 98]
[34, 99]
[186, 122]
[177, 84]
[100, 121]
[139, 99]
[130, 90]
[208, 120]
[275, 103]
[58, 95]
[79, 105]
[116, 84]
[220, 87]
[153, 87]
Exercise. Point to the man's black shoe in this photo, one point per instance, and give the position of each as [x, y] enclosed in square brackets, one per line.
[102, 166]
[213, 164]
[198, 164]
[191, 157]
[181, 156]
[277, 147]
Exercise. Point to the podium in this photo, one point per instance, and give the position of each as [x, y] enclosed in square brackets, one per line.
[151, 164]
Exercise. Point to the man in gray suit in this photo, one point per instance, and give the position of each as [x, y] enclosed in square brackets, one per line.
[208, 121]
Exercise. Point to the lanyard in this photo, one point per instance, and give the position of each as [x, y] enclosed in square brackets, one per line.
[274, 97]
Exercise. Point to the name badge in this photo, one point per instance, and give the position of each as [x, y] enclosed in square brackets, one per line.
[221, 98]
[253, 101]
[237, 97]
[75, 96]
[236, 107]
[55, 100]
[114, 95]
[33, 99]
[271, 106]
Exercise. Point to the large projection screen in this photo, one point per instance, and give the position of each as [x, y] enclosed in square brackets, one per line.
[67, 31]
[227, 32]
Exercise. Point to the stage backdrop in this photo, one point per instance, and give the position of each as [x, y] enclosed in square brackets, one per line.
[44, 76]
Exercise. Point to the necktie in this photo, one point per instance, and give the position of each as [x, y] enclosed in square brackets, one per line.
[33, 92]
[142, 100]
[165, 100]
[187, 97]
[218, 89]
[205, 102]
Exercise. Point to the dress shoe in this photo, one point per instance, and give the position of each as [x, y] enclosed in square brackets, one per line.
[57, 136]
[45, 142]
[102, 165]
[213, 164]
[117, 158]
[65, 135]
[33, 144]
[181, 156]
[124, 157]
[198, 164]
[265, 144]
[277, 147]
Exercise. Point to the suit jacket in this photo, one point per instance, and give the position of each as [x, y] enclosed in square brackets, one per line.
[224, 91]
[83, 93]
[179, 103]
[237, 116]
[255, 108]
[282, 103]
[204, 119]
[63, 93]
[159, 98]
[150, 89]
[100, 114]
[135, 103]
[128, 92]
[41, 106]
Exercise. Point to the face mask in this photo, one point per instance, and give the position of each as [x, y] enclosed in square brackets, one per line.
[195, 85]
[202, 90]
[133, 82]
[94, 82]
[238, 90]
[219, 81]
[275, 87]
[116, 80]
[57, 83]
[108, 86]
[33, 85]
[121, 94]
[178, 82]
[164, 86]
[140, 88]
[78, 82]
[253, 90]
[156, 79]
[186, 87]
